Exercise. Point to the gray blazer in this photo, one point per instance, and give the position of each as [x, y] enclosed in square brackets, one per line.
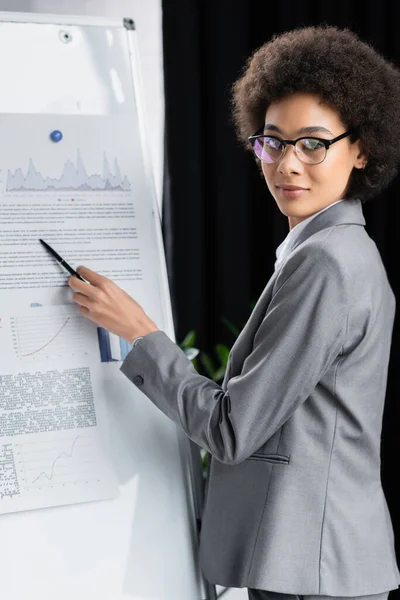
[294, 499]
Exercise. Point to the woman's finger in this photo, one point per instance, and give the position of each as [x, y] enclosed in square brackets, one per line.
[84, 311]
[83, 300]
[77, 284]
[91, 276]
[91, 291]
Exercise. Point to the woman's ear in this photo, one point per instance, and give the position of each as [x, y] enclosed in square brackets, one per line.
[361, 158]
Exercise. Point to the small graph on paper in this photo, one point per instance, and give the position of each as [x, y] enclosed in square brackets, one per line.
[73, 177]
[38, 337]
[53, 463]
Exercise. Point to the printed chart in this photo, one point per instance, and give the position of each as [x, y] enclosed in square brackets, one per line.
[112, 348]
[73, 177]
[38, 337]
[55, 462]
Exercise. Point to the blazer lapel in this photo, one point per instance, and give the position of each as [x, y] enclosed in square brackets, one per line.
[346, 212]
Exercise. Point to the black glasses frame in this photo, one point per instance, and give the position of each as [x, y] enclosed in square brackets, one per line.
[326, 143]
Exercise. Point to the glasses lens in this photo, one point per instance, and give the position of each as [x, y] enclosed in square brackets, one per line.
[310, 150]
[268, 149]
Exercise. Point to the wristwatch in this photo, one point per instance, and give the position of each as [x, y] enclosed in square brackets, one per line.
[136, 340]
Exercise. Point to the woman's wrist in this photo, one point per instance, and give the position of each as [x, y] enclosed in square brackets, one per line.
[142, 331]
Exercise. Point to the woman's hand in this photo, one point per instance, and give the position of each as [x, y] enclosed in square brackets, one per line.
[102, 301]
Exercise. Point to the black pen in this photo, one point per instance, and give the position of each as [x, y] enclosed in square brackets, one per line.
[61, 261]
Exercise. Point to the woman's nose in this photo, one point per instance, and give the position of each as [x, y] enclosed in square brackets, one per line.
[290, 162]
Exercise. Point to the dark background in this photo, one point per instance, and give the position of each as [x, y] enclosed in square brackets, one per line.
[221, 226]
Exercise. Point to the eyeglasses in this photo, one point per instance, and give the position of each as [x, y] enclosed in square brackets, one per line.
[310, 150]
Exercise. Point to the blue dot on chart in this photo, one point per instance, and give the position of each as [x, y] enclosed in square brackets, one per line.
[56, 135]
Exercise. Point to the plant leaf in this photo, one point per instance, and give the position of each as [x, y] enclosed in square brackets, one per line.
[191, 353]
[190, 339]
[219, 373]
[204, 462]
[207, 364]
[230, 326]
[223, 353]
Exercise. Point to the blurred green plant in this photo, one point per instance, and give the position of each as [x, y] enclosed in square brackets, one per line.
[213, 367]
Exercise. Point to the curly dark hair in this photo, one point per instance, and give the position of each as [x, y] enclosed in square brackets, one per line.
[349, 76]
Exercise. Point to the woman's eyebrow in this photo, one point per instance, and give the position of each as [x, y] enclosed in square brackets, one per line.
[311, 129]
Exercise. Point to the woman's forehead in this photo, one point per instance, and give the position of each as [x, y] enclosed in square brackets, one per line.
[302, 113]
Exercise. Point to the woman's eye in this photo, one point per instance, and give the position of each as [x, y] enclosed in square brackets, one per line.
[311, 144]
[273, 143]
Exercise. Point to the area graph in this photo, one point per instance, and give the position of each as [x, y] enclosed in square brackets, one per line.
[74, 176]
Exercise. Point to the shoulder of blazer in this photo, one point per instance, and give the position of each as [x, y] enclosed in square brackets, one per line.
[316, 254]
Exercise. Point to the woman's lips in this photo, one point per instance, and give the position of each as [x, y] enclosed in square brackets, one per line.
[291, 191]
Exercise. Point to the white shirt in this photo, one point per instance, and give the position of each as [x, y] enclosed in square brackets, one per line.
[282, 251]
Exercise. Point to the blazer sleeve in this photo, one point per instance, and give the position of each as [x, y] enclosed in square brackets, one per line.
[299, 338]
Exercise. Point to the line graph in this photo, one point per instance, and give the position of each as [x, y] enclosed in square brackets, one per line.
[49, 342]
[67, 454]
[39, 337]
[58, 462]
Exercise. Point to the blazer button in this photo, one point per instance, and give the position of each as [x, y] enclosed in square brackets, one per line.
[138, 380]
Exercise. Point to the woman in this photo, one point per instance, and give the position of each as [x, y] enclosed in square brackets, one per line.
[294, 503]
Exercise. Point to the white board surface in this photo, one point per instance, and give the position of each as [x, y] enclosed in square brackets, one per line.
[81, 76]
